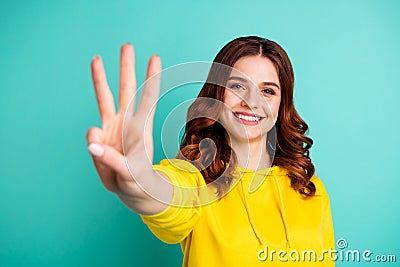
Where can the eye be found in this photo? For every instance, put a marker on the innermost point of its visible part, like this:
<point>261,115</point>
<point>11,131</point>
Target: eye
<point>236,86</point>
<point>268,91</point>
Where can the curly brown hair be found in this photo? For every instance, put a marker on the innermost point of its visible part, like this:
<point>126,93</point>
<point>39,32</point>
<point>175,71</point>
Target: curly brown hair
<point>292,146</point>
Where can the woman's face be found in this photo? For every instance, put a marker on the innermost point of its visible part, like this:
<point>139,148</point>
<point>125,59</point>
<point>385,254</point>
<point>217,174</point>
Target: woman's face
<point>252,98</point>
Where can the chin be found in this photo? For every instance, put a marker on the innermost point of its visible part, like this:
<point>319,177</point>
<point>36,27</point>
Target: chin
<point>250,137</point>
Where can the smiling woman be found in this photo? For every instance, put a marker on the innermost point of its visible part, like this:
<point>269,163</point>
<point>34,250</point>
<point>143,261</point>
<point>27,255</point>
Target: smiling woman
<point>268,196</point>
<point>263,82</point>
<point>255,105</point>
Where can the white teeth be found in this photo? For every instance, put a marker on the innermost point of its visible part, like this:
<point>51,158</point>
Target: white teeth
<point>248,118</point>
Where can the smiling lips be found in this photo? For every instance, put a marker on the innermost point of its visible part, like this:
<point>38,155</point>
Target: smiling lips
<point>247,118</point>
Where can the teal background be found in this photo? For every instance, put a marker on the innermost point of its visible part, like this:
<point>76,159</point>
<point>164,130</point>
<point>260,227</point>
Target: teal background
<point>54,210</point>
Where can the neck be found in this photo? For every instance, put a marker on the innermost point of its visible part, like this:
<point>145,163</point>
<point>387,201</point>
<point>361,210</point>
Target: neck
<point>253,154</point>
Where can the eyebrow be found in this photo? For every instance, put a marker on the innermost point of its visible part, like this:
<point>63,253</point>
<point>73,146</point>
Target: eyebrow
<point>245,81</point>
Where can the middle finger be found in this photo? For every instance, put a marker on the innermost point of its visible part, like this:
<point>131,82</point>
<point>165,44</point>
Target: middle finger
<point>127,79</point>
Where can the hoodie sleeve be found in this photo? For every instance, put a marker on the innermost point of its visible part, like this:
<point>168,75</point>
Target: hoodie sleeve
<point>175,222</point>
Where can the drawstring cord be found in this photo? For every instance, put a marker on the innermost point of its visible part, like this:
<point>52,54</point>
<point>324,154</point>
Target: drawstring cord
<point>250,217</point>
<point>282,208</point>
<point>283,213</point>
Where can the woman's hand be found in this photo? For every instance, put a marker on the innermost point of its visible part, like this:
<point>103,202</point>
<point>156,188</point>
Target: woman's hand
<point>105,144</point>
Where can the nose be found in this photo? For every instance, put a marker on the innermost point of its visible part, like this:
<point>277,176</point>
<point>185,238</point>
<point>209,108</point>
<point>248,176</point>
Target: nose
<point>250,99</point>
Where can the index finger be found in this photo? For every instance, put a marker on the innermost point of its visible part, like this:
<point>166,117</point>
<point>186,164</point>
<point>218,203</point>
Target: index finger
<point>105,100</point>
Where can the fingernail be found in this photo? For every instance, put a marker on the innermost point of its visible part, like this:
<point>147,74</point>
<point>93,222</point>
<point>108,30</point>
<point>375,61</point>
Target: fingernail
<point>96,56</point>
<point>96,150</point>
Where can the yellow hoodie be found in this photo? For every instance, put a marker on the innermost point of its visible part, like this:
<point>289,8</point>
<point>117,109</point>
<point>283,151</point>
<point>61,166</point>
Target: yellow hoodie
<point>270,225</point>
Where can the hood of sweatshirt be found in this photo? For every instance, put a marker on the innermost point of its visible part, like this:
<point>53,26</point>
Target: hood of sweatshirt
<point>256,182</point>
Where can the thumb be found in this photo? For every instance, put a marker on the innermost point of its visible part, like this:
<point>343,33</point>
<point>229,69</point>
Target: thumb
<point>110,157</point>
<point>104,154</point>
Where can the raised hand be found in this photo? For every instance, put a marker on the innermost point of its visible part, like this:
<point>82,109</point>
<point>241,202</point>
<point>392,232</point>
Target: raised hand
<point>105,144</point>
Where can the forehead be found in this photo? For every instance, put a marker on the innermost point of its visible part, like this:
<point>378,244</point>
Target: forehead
<point>257,68</point>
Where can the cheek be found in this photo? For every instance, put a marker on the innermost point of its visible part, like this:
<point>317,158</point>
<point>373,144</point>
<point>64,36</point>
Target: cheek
<point>231,99</point>
<point>275,107</point>
<point>273,102</point>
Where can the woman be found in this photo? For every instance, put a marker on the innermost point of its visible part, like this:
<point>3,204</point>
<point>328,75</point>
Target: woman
<point>267,206</point>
